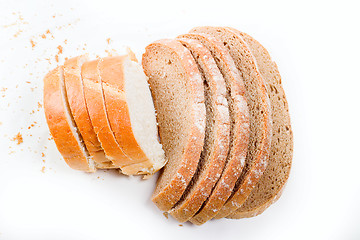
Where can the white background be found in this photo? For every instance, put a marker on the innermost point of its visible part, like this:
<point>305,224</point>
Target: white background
<point>316,46</point>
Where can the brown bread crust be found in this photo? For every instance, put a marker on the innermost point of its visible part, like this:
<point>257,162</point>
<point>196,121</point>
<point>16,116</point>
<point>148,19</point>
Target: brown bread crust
<point>217,134</point>
<point>271,185</point>
<point>260,116</point>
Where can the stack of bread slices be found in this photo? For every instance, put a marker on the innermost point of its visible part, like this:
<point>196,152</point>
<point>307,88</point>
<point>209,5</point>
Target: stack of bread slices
<point>215,101</point>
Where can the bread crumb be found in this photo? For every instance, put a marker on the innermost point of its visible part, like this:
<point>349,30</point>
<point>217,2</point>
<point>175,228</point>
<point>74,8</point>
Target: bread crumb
<point>57,58</point>
<point>42,154</point>
<point>33,44</point>
<point>166,214</point>
<point>18,137</point>
<point>43,169</point>
<point>108,40</point>
<point>180,225</point>
<point>60,49</point>
<point>43,36</point>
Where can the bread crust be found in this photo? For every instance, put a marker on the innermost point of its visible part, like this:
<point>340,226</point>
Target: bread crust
<point>166,197</point>
<point>113,84</point>
<point>250,73</point>
<point>239,130</point>
<point>98,114</point>
<point>59,122</point>
<point>215,151</point>
<point>77,103</point>
<point>282,134</point>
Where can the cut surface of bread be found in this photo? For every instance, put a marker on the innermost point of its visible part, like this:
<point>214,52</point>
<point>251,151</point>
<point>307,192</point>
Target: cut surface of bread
<point>178,93</point>
<point>217,134</point>
<point>61,123</point>
<point>272,182</point>
<point>98,114</point>
<point>131,114</point>
<point>239,128</point>
<point>77,103</point>
<point>260,116</point>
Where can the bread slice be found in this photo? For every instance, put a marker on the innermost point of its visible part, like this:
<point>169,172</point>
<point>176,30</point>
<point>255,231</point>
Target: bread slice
<point>77,103</point>
<point>217,134</point>
<point>272,183</point>
<point>178,93</point>
<point>131,114</point>
<point>61,124</point>
<point>260,116</point>
<point>239,128</point>
<point>98,114</point>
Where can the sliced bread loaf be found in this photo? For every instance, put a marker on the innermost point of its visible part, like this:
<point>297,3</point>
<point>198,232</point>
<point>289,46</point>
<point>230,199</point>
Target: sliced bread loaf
<point>260,116</point>
<point>98,113</point>
<point>178,93</point>
<point>271,184</point>
<point>131,114</point>
<point>61,123</point>
<point>217,134</point>
<point>77,103</point>
<point>239,126</point>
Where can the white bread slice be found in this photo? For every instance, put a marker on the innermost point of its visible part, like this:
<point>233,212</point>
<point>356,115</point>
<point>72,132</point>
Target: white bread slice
<point>98,114</point>
<point>239,130</point>
<point>217,134</point>
<point>178,93</point>
<point>273,181</point>
<point>131,114</point>
<point>77,103</point>
<point>260,116</point>
<point>61,124</point>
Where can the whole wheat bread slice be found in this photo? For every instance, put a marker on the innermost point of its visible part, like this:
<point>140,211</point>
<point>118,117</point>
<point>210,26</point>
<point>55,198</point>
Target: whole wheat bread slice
<point>61,123</point>
<point>178,93</point>
<point>239,127</point>
<point>98,114</point>
<point>217,134</point>
<point>260,116</point>
<point>273,181</point>
<point>77,103</point>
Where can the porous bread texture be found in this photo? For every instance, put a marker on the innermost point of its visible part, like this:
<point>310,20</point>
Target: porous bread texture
<point>239,127</point>
<point>61,123</point>
<point>217,134</point>
<point>79,111</point>
<point>98,113</point>
<point>178,93</point>
<point>142,115</point>
<point>113,84</point>
<point>260,116</point>
<point>274,179</point>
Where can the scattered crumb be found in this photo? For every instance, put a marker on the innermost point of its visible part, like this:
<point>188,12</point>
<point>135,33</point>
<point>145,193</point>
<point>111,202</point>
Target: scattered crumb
<point>60,49</point>
<point>43,160</point>
<point>180,225</point>
<point>3,89</point>
<point>166,214</point>
<point>39,105</point>
<point>43,169</point>
<point>33,44</point>
<point>28,82</point>
<point>57,58</point>
<point>108,40</point>
<point>18,138</point>
<point>43,36</point>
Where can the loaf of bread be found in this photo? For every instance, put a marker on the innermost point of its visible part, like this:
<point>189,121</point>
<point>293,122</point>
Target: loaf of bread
<point>207,108</point>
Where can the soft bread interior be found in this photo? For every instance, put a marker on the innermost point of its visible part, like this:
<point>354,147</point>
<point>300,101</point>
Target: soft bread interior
<point>71,121</point>
<point>142,114</point>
